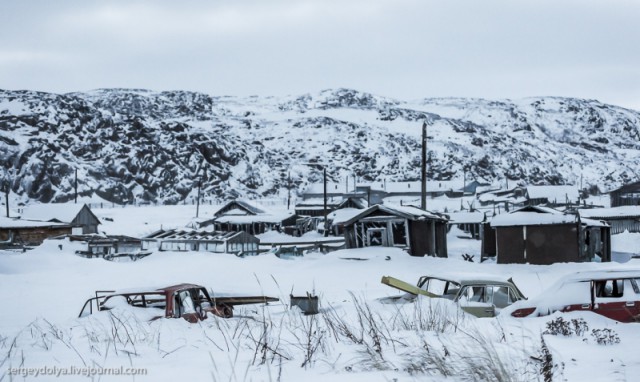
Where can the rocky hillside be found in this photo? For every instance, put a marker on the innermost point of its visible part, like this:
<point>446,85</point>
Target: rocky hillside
<point>138,145</point>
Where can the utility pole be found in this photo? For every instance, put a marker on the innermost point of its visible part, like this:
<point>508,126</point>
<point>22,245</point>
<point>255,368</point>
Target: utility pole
<point>6,197</point>
<point>326,223</point>
<point>198,201</point>
<point>288,190</point>
<point>464,180</point>
<point>423,200</point>
<point>76,187</point>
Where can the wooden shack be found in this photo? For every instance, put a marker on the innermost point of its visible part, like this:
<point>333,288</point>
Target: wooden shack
<point>18,233</point>
<point>239,243</point>
<point>239,215</point>
<point>76,215</point>
<point>418,231</point>
<point>627,195</point>
<point>542,235</point>
<point>100,245</point>
<point>621,218</point>
<point>555,196</point>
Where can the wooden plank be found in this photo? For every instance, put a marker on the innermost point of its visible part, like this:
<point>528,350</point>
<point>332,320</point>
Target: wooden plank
<point>244,300</point>
<point>405,286</point>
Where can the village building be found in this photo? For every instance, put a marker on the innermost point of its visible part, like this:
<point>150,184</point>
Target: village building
<point>627,195</point>
<point>76,215</point>
<point>315,206</point>
<point>393,192</point>
<point>239,243</point>
<point>621,219</point>
<point>542,235</point>
<point>107,246</point>
<point>18,233</point>
<point>239,215</point>
<point>552,196</point>
<point>505,199</point>
<point>417,231</point>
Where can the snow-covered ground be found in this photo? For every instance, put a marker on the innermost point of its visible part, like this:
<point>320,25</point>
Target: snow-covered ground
<point>354,338</point>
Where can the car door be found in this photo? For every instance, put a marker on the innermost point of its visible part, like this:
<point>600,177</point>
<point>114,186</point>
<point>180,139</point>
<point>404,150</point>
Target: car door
<point>615,299</point>
<point>477,300</point>
<point>186,307</point>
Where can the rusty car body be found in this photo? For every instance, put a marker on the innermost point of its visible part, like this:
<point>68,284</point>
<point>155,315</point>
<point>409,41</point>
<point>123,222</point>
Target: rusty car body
<point>189,301</point>
<point>613,293</point>
<point>481,296</point>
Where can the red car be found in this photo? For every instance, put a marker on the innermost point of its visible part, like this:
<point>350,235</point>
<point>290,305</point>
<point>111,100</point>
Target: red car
<point>189,301</point>
<point>612,293</point>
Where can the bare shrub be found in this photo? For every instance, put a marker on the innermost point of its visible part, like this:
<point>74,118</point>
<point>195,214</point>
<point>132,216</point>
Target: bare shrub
<point>605,336</point>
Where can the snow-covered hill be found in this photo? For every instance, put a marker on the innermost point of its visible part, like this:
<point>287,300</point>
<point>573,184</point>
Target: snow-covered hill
<point>129,144</point>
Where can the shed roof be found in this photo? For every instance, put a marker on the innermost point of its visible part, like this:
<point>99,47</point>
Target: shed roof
<point>554,193</point>
<point>631,187</point>
<point>6,223</point>
<point>609,213</point>
<point>192,234</point>
<point>242,207</point>
<point>61,212</point>
<point>532,215</point>
<point>407,212</point>
<point>466,217</point>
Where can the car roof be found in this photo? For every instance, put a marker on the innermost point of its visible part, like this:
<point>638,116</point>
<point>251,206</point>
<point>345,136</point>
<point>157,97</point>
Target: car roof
<point>619,273</point>
<point>470,278</point>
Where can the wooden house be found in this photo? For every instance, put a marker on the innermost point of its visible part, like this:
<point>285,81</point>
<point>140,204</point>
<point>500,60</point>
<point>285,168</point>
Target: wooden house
<point>508,199</point>
<point>627,195</point>
<point>420,232</point>
<point>315,206</point>
<point>76,215</point>
<point>239,215</point>
<point>553,196</point>
<point>107,246</point>
<point>542,235</point>
<point>18,233</point>
<point>239,243</point>
<point>621,218</point>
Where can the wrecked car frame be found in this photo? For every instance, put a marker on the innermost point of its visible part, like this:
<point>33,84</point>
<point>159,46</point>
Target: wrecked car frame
<point>481,296</point>
<point>613,293</point>
<point>189,301</point>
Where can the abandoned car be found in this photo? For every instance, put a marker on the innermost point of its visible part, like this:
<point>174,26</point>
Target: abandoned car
<point>481,296</point>
<point>612,293</point>
<point>189,301</point>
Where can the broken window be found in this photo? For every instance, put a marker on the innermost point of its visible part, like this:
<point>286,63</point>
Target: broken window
<point>399,233</point>
<point>376,237</point>
<point>184,303</point>
<point>609,288</point>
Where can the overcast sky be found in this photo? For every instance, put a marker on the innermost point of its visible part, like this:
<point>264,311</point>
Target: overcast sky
<point>405,49</point>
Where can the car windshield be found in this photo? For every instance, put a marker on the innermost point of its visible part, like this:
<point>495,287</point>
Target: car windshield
<point>444,288</point>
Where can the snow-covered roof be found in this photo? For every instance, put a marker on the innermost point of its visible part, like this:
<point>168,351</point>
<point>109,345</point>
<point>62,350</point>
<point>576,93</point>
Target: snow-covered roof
<point>408,212</point>
<point>332,188</point>
<point>554,193</point>
<point>319,202</point>
<point>342,215</point>
<point>247,219</point>
<point>191,234</point>
<point>613,212</point>
<point>466,217</point>
<point>20,223</point>
<point>62,212</point>
<point>243,207</point>
<point>521,218</point>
